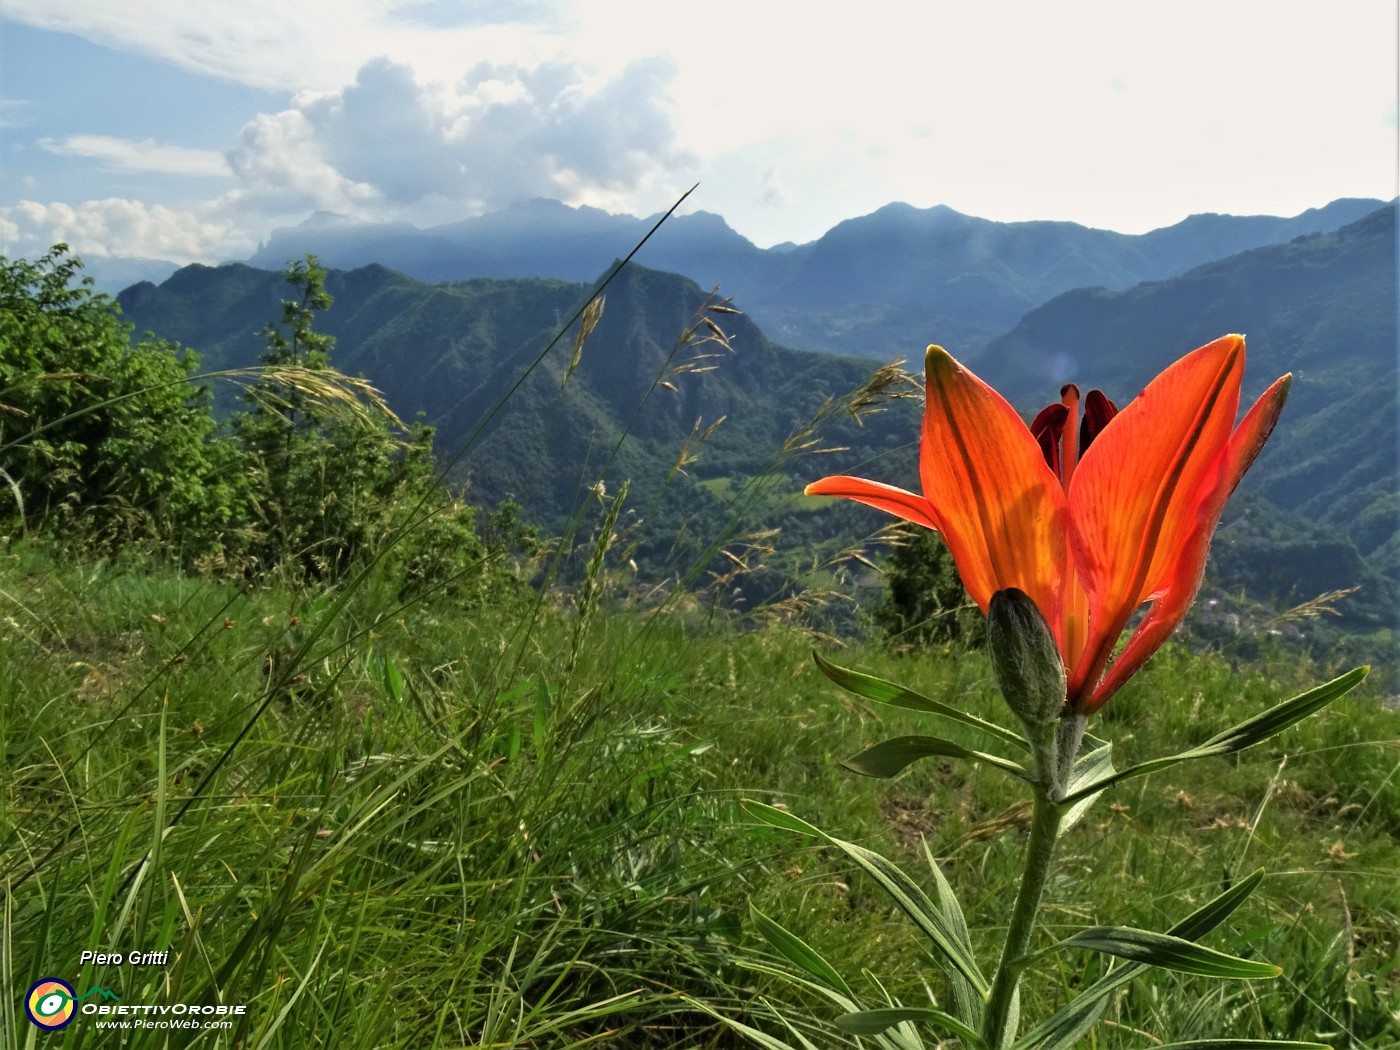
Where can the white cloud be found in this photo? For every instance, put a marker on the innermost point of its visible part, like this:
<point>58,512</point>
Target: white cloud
<point>772,189</point>
<point>251,43</point>
<point>317,44</point>
<point>14,112</point>
<point>389,146</point>
<point>393,144</point>
<point>130,155</point>
<point>283,167</point>
<point>116,227</point>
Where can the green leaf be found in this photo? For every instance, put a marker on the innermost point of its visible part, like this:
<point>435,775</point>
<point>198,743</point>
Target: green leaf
<point>969,1005</point>
<point>884,692</point>
<point>798,952</point>
<point>835,997</point>
<point>1211,914</point>
<point>1244,1044</point>
<point>893,756</point>
<point>915,903</point>
<point>759,1038</point>
<point>1248,733</point>
<point>1275,720</point>
<point>874,1022</point>
<point>392,679</point>
<point>780,818</point>
<point>1168,952</point>
<point>1063,1029</point>
<point>1088,768</point>
<point>902,889</point>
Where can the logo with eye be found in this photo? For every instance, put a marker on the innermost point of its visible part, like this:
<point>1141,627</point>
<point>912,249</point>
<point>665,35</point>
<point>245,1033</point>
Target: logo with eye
<point>49,1003</point>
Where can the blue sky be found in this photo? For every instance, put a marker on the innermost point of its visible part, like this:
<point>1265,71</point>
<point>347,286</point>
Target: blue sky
<point>189,131</point>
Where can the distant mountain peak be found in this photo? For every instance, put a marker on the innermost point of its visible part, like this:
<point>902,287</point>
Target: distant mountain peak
<point>322,219</point>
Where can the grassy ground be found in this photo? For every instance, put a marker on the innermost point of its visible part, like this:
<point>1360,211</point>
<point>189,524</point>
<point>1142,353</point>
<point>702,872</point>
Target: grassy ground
<point>516,824</point>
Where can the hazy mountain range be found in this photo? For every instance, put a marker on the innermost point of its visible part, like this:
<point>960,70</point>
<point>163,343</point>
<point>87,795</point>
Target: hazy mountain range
<point>874,286</point>
<point>1323,306</point>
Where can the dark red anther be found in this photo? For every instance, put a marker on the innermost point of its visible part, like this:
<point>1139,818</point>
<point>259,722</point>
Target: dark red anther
<point>1062,436</point>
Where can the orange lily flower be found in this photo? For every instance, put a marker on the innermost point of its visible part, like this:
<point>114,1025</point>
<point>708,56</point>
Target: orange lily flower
<point>1092,521</point>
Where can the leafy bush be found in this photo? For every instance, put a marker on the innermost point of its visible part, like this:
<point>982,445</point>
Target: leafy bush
<point>108,441</point>
<point>99,437</point>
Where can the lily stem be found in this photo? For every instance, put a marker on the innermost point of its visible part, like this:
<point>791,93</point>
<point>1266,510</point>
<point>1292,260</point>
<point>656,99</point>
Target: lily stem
<point>997,1030</point>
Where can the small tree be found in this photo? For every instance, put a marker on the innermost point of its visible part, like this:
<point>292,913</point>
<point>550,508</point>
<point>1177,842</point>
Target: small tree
<point>925,603</point>
<point>329,484</point>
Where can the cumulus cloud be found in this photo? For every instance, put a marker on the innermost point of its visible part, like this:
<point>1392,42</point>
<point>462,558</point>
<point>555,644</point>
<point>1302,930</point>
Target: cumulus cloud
<point>388,147</point>
<point>115,227</point>
<point>130,155</point>
<point>282,165</point>
<point>501,133</point>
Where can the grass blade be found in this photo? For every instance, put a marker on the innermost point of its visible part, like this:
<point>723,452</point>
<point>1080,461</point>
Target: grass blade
<point>798,952</point>
<point>902,889</point>
<point>875,1022</point>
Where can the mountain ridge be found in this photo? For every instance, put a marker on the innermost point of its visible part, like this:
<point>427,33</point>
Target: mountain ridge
<point>872,285</point>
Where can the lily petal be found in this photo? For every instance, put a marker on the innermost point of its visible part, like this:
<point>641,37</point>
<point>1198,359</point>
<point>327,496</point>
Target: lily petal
<point>889,498</point>
<point>1002,511</point>
<point>1172,596</point>
<point>1137,500</point>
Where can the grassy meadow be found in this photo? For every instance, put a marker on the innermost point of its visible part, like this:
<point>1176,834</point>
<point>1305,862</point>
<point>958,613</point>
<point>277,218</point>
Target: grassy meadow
<point>516,823</point>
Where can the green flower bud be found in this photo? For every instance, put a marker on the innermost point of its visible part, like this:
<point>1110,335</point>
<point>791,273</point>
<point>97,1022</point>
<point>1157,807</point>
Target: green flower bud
<point>1027,662</point>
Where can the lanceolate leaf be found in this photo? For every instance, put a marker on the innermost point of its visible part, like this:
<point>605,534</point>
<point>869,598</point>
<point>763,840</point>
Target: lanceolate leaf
<point>1091,767</point>
<point>873,1022</point>
<point>1064,1028</point>
<point>1168,952</point>
<point>893,756</point>
<point>902,889</point>
<point>835,997</point>
<point>1273,721</point>
<point>755,1036</point>
<point>798,952</point>
<point>1246,734</point>
<point>884,692</point>
<point>968,1005</point>
<point>780,818</point>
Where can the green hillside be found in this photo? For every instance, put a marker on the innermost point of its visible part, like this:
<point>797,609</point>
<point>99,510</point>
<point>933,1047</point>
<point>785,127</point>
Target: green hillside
<point>396,787</point>
<point>642,392</point>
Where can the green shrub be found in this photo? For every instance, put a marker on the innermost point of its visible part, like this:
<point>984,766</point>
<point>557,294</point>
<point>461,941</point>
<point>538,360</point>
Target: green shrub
<point>101,438</point>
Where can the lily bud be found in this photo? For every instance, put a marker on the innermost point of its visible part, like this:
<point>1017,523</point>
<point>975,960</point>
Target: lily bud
<point>1026,660</point>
